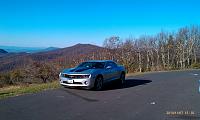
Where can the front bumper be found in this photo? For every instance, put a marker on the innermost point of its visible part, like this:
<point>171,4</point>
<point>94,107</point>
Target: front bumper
<point>83,82</point>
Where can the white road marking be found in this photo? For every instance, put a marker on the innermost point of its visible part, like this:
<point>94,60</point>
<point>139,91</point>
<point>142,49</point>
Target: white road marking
<point>153,103</point>
<point>195,74</point>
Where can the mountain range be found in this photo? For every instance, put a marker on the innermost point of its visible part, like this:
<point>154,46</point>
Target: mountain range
<point>15,49</point>
<point>64,56</point>
<point>3,52</point>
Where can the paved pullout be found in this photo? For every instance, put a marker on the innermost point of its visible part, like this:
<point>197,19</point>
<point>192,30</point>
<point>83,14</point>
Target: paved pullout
<point>153,96</point>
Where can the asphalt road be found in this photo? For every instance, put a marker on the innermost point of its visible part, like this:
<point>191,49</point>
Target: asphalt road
<point>154,96</point>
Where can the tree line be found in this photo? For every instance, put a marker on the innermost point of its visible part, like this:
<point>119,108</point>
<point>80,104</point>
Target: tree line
<point>164,51</point>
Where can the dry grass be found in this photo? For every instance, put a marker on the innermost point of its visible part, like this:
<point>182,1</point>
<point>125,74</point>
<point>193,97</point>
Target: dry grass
<point>21,89</point>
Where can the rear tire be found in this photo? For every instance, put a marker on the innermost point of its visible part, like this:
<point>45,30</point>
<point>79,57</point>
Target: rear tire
<point>121,81</point>
<point>98,83</point>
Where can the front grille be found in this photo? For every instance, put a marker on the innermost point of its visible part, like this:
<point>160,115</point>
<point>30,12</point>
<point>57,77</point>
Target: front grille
<point>77,82</point>
<point>75,76</point>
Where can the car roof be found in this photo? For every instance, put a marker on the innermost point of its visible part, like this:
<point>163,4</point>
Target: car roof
<point>100,61</point>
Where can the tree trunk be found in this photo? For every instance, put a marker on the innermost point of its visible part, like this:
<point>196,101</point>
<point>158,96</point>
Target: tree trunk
<point>152,60</point>
<point>183,59</point>
<point>163,60</point>
<point>195,57</point>
<point>140,62</point>
<point>168,58</point>
<point>147,60</point>
<point>157,61</point>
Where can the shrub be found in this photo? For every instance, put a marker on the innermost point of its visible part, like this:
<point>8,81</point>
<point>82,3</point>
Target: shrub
<point>17,76</point>
<point>5,79</point>
<point>196,65</point>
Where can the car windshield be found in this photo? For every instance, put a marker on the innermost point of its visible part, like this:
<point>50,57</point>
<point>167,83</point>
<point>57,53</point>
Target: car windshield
<point>92,65</point>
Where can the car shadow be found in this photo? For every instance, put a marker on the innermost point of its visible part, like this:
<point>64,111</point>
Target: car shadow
<point>109,86</point>
<point>127,84</point>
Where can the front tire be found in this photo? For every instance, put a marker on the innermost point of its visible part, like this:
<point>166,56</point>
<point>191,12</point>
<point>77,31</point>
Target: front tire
<point>98,83</point>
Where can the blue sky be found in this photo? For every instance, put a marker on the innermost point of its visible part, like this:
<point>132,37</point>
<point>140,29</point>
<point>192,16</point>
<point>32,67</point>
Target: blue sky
<point>62,23</point>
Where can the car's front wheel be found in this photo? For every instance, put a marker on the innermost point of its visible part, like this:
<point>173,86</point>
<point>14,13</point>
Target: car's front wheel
<point>98,83</point>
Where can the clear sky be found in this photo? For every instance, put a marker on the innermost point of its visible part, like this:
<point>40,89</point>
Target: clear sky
<point>62,23</point>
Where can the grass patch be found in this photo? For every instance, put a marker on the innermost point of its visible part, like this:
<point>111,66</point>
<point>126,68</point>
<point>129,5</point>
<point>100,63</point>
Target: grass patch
<point>134,74</point>
<point>21,89</point>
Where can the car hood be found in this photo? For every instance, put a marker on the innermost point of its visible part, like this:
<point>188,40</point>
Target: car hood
<point>79,70</point>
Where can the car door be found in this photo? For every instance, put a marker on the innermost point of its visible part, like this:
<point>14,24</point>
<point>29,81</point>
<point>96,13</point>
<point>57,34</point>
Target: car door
<point>108,73</point>
<point>112,73</point>
<point>115,72</point>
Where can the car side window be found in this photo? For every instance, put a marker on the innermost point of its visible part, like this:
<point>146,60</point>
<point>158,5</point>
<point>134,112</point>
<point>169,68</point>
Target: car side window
<point>112,64</point>
<point>107,64</point>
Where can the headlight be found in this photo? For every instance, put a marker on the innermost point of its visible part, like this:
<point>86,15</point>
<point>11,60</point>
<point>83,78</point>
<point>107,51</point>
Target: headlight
<point>84,76</point>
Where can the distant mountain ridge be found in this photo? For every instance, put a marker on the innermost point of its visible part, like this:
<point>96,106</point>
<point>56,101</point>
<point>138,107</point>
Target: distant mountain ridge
<point>14,49</point>
<point>2,51</point>
<point>51,48</point>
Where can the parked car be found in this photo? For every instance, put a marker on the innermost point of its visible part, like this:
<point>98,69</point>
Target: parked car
<point>92,74</point>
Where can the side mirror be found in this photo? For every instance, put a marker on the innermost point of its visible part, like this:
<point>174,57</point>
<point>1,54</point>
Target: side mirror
<point>108,67</point>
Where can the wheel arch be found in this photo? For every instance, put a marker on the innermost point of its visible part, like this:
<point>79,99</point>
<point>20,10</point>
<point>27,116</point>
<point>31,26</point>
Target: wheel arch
<point>99,75</point>
<point>123,72</point>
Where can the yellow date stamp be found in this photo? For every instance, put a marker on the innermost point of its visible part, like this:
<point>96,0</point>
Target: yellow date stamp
<point>181,112</point>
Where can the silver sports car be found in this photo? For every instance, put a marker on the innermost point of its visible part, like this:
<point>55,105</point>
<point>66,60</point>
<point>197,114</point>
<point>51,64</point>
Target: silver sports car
<point>92,74</point>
